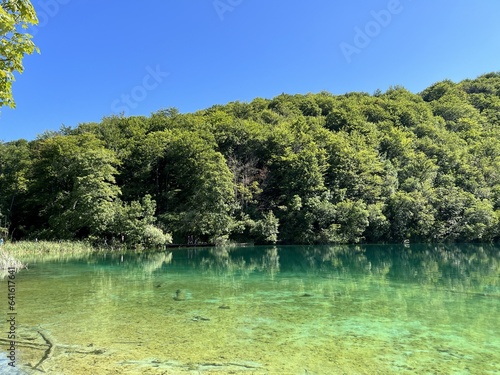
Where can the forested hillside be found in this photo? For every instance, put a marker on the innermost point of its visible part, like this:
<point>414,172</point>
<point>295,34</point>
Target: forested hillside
<point>315,168</point>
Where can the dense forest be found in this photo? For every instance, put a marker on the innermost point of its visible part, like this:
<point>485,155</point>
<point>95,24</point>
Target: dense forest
<point>309,169</point>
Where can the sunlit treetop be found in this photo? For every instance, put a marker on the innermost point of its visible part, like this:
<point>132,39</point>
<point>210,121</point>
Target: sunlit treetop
<point>15,17</point>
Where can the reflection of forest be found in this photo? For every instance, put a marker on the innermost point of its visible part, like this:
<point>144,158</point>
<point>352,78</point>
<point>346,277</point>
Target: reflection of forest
<point>467,268</point>
<point>458,268</point>
<point>410,289</point>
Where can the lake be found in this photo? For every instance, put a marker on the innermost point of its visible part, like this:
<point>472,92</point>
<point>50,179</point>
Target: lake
<point>391,309</point>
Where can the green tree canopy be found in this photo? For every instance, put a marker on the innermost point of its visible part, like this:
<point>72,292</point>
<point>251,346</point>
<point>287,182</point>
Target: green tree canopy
<point>314,168</point>
<point>15,43</point>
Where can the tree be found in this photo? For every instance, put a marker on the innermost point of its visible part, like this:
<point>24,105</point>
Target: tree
<point>411,216</point>
<point>266,230</point>
<point>195,192</point>
<point>15,164</point>
<point>134,224</point>
<point>15,15</point>
<point>73,186</point>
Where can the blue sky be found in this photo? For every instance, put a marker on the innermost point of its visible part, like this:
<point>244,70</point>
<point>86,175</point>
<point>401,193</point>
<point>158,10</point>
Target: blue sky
<point>100,58</point>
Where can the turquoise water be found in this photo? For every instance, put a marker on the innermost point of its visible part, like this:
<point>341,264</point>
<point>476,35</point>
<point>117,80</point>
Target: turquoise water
<point>263,310</point>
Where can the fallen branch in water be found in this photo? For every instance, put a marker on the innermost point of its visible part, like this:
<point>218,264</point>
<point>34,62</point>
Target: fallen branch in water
<point>26,344</point>
<point>49,351</point>
<point>49,347</point>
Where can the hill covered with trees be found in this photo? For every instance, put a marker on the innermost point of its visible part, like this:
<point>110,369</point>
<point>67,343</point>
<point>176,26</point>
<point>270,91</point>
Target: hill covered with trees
<point>315,168</point>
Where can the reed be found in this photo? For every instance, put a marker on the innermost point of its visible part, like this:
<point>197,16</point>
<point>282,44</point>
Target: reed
<point>28,248</point>
<point>30,252</point>
<point>8,261</point>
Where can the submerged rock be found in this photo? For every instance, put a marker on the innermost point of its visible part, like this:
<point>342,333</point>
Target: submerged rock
<point>179,295</point>
<point>198,318</point>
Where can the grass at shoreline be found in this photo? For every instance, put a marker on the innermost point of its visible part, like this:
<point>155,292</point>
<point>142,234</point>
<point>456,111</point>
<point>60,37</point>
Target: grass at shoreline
<point>34,251</point>
<point>30,251</point>
<point>47,247</point>
<point>8,261</point>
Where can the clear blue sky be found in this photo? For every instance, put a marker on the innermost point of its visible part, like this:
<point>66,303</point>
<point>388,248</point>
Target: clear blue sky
<point>103,57</point>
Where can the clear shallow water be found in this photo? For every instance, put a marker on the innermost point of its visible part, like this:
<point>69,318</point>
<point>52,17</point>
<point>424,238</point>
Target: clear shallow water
<point>264,310</point>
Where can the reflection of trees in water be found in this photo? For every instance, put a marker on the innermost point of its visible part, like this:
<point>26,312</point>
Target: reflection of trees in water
<point>271,261</point>
<point>225,261</point>
<point>147,262</point>
<point>340,259</point>
<point>155,262</point>
<point>459,268</point>
<point>452,267</point>
<point>229,267</point>
<point>225,271</point>
<point>61,257</point>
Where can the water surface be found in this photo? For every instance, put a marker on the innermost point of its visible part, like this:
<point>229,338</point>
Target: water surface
<point>263,310</point>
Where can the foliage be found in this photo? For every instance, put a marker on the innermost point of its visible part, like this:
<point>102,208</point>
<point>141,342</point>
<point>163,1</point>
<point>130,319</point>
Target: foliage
<point>266,229</point>
<point>15,17</point>
<point>315,168</point>
<point>134,224</point>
